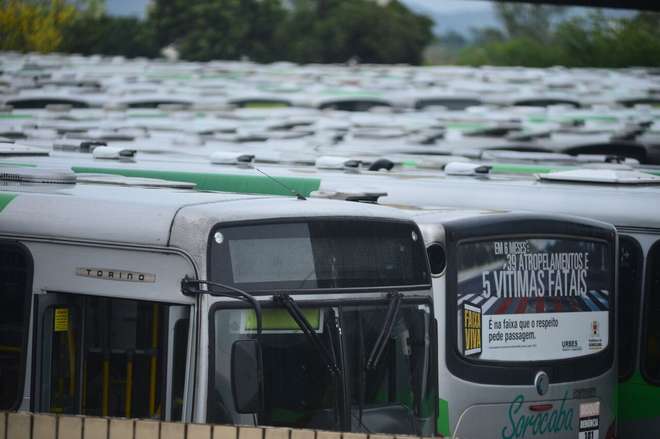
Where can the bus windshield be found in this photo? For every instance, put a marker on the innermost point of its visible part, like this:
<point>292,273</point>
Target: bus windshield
<point>533,299</point>
<point>397,396</point>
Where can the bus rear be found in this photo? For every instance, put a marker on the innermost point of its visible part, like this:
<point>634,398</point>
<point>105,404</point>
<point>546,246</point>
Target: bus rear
<point>529,330</point>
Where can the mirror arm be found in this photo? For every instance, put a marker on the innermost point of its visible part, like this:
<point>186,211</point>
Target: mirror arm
<point>232,292</point>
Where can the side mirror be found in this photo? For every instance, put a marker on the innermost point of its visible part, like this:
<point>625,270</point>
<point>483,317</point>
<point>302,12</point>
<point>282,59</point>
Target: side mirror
<point>247,376</point>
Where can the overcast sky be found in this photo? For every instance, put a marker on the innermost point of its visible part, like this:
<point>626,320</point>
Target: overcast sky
<point>458,15</point>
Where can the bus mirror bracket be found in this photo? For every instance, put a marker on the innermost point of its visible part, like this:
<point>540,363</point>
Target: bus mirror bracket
<point>247,376</point>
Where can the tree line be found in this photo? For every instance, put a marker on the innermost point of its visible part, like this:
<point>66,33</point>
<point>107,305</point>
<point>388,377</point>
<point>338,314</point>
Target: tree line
<point>330,31</point>
<point>544,36</point>
<point>304,31</point>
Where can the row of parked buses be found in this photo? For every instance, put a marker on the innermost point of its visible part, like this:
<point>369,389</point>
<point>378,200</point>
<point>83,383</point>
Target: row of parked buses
<point>178,243</point>
<point>137,297</point>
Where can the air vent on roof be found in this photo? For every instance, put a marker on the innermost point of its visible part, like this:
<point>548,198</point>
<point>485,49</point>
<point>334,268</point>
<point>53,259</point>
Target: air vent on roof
<point>364,197</point>
<point>111,152</point>
<point>36,175</point>
<point>603,176</point>
<point>381,164</point>
<point>334,162</point>
<point>231,158</point>
<point>462,168</point>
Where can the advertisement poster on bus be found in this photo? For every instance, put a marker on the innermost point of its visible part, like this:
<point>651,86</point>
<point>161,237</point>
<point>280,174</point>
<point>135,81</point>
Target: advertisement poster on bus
<point>533,299</point>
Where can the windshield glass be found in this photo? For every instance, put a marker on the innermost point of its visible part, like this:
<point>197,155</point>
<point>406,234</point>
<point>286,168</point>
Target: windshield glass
<point>301,391</point>
<point>533,299</point>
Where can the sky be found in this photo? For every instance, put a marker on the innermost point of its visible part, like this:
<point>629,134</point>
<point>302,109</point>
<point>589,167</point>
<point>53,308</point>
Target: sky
<point>456,15</point>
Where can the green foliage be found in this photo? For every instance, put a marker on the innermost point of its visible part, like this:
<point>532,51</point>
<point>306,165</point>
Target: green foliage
<point>529,21</point>
<point>518,51</point>
<point>313,31</point>
<point>202,30</point>
<point>106,35</point>
<point>602,42</point>
<point>36,26</point>
<point>584,41</point>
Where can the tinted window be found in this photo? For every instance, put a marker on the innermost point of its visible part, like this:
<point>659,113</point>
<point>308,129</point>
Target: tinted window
<point>62,325</point>
<point>630,285</point>
<point>179,367</point>
<point>107,357</point>
<point>15,278</point>
<point>533,299</point>
<point>123,358</point>
<point>319,254</point>
<point>651,357</point>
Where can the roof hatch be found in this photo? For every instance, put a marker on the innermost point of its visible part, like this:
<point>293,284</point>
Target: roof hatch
<point>36,175</point>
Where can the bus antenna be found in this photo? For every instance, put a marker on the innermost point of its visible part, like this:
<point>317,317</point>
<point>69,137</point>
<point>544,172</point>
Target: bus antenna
<point>293,191</point>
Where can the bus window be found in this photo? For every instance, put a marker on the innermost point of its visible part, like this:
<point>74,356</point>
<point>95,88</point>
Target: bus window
<point>15,279</point>
<point>122,376</point>
<point>651,358</point>
<point>106,357</point>
<point>63,324</point>
<point>631,261</point>
<point>180,346</point>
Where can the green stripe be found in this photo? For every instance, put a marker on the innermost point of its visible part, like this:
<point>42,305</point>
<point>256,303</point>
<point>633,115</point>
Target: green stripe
<point>467,126</point>
<point>510,168</point>
<point>443,417</point>
<point>15,116</point>
<point>5,199</point>
<point>17,165</point>
<point>638,399</point>
<point>514,168</point>
<point>244,184</point>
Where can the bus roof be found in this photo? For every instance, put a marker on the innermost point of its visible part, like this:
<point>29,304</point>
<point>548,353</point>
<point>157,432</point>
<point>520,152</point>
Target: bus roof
<point>145,216</point>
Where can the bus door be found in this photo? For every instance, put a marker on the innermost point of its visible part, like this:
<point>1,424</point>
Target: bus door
<point>110,357</point>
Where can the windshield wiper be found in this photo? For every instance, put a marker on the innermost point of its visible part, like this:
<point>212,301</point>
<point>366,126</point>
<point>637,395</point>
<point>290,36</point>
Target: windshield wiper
<point>328,356</point>
<point>188,288</point>
<point>386,330</point>
<point>296,313</point>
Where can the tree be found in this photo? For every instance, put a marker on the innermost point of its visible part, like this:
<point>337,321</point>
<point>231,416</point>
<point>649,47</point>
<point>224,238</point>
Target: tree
<point>90,35</point>
<point>218,29</point>
<point>339,30</point>
<point>535,22</point>
<point>34,26</point>
<point>594,40</point>
<point>599,41</point>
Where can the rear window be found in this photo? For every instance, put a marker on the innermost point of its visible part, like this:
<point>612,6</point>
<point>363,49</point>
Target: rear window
<point>533,299</point>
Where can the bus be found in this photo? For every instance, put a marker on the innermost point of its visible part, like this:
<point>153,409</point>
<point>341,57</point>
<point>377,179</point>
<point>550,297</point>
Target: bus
<point>525,305</point>
<point>147,299</point>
